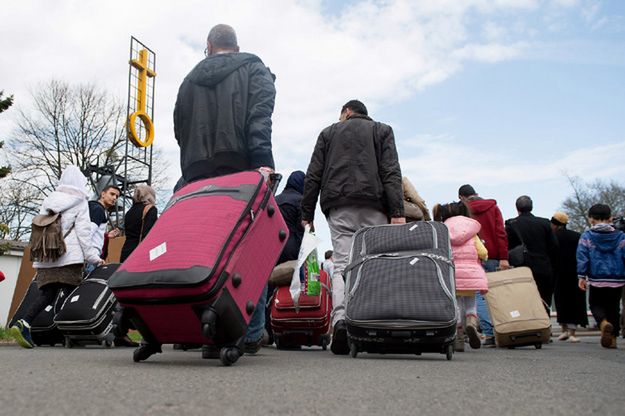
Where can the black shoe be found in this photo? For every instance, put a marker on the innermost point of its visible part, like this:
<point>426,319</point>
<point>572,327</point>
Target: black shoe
<point>252,347</point>
<point>210,352</point>
<point>145,351</point>
<point>339,344</point>
<point>125,342</point>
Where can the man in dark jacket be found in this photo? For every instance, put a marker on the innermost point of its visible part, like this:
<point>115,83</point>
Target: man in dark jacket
<point>356,169</point>
<point>541,244</point>
<point>222,122</point>
<point>222,117</point>
<point>493,233</point>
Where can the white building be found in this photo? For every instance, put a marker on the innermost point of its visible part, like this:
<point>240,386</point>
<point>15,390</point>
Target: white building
<point>10,261</point>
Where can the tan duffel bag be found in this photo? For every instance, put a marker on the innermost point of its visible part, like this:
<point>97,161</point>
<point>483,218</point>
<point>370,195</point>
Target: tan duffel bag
<point>283,273</point>
<point>517,312</point>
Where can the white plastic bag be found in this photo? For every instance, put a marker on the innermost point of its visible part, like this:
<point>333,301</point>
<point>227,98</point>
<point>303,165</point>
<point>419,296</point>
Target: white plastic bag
<point>309,243</point>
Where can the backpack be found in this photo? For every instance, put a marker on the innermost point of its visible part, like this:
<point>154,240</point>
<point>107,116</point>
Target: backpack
<point>47,241</point>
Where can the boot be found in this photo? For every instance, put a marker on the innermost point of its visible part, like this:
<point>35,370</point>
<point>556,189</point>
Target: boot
<point>606,334</point>
<point>471,328</point>
<point>613,343</point>
<point>459,342</point>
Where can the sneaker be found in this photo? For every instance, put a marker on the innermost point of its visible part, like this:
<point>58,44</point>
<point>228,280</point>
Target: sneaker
<point>252,347</point>
<point>573,339</point>
<point>471,330</point>
<point>564,336</point>
<point>145,351</point>
<point>606,334</point>
<point>489,342</point>
<point>21,332</point>
<point>339,344</point>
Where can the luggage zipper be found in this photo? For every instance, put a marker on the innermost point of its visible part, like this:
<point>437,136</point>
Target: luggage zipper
<point>508,281</point>
<point>208,189</point>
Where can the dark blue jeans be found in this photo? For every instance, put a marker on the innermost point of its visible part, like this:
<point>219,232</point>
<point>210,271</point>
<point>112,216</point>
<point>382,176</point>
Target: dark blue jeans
<point>489,265</point>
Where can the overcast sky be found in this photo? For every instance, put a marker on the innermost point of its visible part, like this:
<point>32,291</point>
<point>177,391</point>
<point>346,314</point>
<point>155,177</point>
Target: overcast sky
<point>507,95</point>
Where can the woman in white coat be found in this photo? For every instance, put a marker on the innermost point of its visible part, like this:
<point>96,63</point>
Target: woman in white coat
<point>70,200</point>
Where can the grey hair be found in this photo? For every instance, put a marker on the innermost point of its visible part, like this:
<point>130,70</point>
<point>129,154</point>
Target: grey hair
<point>524,204</point>
<point>222,36</point>
<point>144,194</point>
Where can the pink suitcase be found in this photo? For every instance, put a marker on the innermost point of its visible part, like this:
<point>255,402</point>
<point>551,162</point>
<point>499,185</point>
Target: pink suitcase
<point>197,276</point>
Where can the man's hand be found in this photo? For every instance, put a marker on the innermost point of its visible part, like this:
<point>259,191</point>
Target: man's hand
<point>102,262</point>
<point>398,220</point>
<point>266,171</point>
<point>114,233</point>
<point>504,265</point>
<point>581,282</point>
<point>310,223</point>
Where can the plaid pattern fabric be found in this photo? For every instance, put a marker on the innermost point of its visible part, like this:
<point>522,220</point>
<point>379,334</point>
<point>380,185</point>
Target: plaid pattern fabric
<point>404,285</point>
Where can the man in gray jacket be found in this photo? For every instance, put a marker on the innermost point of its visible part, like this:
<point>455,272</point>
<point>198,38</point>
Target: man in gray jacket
<point>222,122</point>
<point>356,169</point>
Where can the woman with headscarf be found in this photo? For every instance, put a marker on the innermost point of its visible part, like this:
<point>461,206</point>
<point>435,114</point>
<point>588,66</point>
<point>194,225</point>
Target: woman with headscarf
<point>64,274</point>
<point>139,219</point>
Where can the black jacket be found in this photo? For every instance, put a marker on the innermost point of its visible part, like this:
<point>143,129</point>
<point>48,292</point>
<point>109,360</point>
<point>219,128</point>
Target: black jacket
<point>222,118</point>
<point>540,241</point>
<point>354,163</point>
<point>289,203</point>
<point>132,225</point>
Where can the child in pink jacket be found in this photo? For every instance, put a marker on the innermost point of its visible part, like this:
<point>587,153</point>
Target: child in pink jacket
<point>468,251</point>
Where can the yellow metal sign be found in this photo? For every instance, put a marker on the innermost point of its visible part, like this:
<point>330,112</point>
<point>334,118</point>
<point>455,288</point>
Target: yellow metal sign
<point>144,71</point>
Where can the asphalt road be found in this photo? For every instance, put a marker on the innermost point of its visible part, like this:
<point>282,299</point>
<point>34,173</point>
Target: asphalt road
<point>560,379</point>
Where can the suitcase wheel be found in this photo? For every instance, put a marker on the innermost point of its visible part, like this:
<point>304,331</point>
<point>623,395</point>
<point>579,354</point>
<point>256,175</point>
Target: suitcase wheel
<point>324,343</point>
<point>106,343</point>
<point>450,352</point>
<point>209,323</point>
<point>68,343</point>
<point>229,355</point>
<point>538,346</point>
<point>353,349</point>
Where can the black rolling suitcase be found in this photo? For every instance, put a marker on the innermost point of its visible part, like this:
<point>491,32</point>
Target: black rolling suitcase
<point>86,316</point>
<point>400,291</point>
<point>43,329</point>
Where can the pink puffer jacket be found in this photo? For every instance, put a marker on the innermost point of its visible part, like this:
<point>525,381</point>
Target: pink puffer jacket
<point>469,272</point>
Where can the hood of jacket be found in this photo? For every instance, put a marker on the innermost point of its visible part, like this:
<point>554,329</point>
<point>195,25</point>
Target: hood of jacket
<point>215,68</point>
<point>605,237</point>
<point>60,201</point>
<point>479,206</point>
<point>296,181</point>
<point>461,229</point>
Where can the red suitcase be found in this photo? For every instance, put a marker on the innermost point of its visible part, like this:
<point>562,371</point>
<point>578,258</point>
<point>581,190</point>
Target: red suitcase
<point>197,276</point>
<point>310,325</point>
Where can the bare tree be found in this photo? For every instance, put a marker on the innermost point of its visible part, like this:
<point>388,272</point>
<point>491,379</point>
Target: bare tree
<point>586,195</point>
<point>5,103</point>
<point>18,203</point>
<point>78,125</point>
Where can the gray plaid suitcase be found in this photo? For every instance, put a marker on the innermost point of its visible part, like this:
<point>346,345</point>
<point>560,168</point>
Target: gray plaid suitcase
<point>400,291</point>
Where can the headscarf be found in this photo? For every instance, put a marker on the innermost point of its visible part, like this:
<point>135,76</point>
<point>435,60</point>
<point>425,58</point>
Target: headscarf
<point>73,180</point>
<point>144,194</point>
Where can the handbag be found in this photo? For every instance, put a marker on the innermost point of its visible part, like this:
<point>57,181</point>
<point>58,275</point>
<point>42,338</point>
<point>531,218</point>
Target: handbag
<point>518,255</point>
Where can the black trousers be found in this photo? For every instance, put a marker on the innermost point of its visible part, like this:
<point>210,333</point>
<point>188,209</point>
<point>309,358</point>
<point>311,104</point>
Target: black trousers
<point>47,296</point>
<point>605,303</point>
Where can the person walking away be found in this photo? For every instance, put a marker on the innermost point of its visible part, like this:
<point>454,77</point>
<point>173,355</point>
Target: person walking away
<point>289,203</point>
<point>493,234</point>
<point>601,270</point>
<point>139,219</point>
<point>569,299</point>
<point>355,169</point>
<point>222,123</point>
<point>541,246</point>
<point>328,262</point>
<point>468,252</point>
<point>65,273</point>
